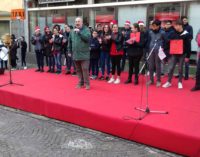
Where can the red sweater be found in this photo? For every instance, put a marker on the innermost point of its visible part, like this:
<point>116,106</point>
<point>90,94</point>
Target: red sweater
<point>113,50</point>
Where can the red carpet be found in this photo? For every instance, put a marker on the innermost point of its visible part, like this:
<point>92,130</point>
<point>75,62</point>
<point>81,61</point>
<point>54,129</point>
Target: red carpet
<point>106,108</point>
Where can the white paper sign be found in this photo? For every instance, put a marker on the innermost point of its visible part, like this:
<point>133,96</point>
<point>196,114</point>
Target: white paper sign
<point>161,54</point>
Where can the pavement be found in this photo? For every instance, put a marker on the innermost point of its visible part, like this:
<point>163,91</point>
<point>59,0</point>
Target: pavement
<point>24,134</point>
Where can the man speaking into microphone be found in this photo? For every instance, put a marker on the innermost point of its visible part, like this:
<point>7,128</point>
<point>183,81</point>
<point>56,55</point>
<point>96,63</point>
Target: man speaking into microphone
<point>78,46</point>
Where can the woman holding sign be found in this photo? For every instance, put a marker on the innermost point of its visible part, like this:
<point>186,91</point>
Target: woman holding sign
<point>179,49</point>
<point>135,52</point>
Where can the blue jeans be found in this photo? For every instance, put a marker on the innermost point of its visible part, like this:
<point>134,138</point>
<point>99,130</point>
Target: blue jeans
<point>51,63</point>
<point>105,61</point>
<point>57,58</point>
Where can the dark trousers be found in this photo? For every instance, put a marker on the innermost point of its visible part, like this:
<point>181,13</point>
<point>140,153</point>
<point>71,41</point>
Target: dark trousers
<point>5,64</point>
<point>40,59</point>
<point>82,70</point>
<point>154,61</point>
<point>13,63</point>
<point>70,63</point>
<point>94,65</point>
<point>187,67</point>
<point>134,62</point>
<point>197,84</point>
<point>173,61</point>
<point>105,61</point>
<point>51,63</point>
<point>23,58</point>
<point>116,64</point>
<point>47,60</point>
<point>123,62</point>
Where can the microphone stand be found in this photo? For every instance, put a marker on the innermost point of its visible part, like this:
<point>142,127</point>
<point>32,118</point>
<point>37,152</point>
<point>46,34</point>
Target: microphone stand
<point>147,110</point>
<point>10,73</point>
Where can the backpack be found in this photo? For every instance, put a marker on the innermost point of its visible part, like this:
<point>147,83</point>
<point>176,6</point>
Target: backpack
<point>198,39</point>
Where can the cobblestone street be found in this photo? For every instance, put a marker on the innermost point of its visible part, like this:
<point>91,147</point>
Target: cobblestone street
<point>27,135</point>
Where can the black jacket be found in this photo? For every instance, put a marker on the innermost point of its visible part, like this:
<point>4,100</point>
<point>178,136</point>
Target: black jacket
<point>136,49</point>
<point>118,39</point>
<point>106,44</point>
<point>57,43</point>
<point>185,36</point>
<point>47,45</point>
<point>126,36</point>
<point>23,46</point>
<point>189,29</point>
<point>94,48</point>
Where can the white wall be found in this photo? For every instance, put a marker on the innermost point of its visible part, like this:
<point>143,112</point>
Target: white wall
<point>132,13</point>
<point>194,17</point>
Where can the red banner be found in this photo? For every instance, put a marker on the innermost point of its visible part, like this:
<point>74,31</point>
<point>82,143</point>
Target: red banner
<point>163,16</point>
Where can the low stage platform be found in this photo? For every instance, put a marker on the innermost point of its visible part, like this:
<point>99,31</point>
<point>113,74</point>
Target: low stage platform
<point>111,108</point>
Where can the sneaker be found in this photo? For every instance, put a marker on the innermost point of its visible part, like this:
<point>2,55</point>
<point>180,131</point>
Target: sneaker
<point>180,85</point>
<point>150,83</point>
<point>74,73</point>
<point>68,72</point>
<point>87,87</point>
<point>128,81</point>
<point>101,78</point>
<point>25,67</point>
<point>78,86</point>
<point>158,84</point>
<point>49,71</point>
<point>42,70</point>
<point>58,72</point>
<point>94,77</point>
<point>167,84</point>
<point>107,78</point>
<point>111,80</point>
<point>195,89</point>
<point>37,70</point>
<point>117,81</point>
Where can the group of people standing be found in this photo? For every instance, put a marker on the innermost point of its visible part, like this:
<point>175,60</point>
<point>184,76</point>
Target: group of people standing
<point>13,50</point>
<point>107,47</point>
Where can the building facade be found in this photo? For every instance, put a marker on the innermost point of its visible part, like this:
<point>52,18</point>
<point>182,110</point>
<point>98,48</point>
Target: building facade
<point>50,12</point>
<point>5,16</point>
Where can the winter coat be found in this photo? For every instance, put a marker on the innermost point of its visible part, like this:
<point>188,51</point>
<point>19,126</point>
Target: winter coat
<point>106,44</point>
<point>94,48</point>
<point>117,40</point>
<point>156,39</point>
<point>13,50</point>
<point>126,37</point>
<point>47,44</point>
<point>57,43</point>
<point>136,49</point>
<point>185,36</point>
<point>37,41</point>
<point>23,46</point>
<point>168,33</point>
<point>79,44</point>
<point>189,29</point>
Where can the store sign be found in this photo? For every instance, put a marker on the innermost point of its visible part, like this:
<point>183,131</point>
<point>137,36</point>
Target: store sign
<point>17,14</point>
<point>53,1</point>
<point>104,18</point>
<point>163,16</point>
<point>58,19</point>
